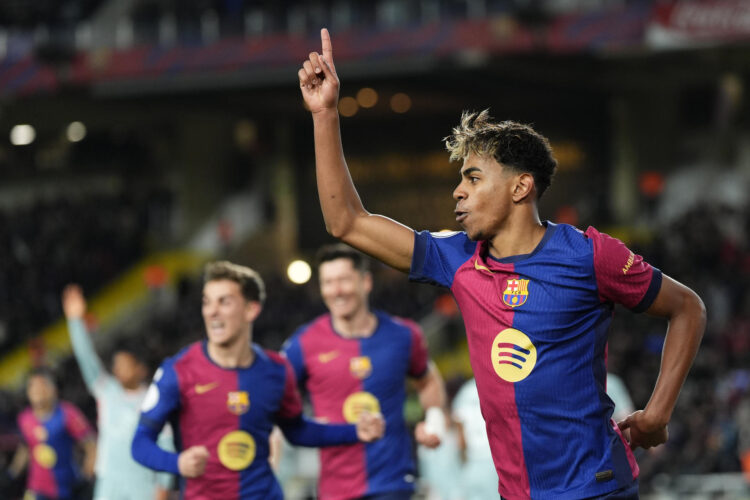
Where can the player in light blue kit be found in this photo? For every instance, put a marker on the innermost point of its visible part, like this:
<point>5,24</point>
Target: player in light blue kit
<point>118,399</point>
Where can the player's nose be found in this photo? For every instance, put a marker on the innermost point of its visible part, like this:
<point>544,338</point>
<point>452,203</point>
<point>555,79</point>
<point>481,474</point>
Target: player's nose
<point>459,193</point>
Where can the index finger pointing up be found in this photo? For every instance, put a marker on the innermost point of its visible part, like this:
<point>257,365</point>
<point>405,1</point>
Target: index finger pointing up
<point>325,40</point>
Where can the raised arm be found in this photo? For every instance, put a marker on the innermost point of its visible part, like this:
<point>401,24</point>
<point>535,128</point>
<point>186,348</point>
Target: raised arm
<point>345,216</point>
<point>74,307</point>
<point>687,321</point>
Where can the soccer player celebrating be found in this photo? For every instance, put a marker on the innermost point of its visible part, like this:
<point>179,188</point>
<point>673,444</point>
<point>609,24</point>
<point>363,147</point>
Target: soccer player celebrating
<point>223,397</point>
<point>118,398</point>
<point>51,428</point>
<point>354,359</point>
<point>536,299</point>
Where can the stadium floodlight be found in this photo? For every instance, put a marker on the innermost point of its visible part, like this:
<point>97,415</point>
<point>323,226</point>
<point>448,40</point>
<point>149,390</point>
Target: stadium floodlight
<point>400,103</point>
<point>76,131</point>
<point>348,106</point>
<point>299,272</point>
<point>367,97</point>
<point>22,135</point>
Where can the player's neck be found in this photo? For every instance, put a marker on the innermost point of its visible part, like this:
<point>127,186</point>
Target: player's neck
<point>520,235</point>
<point>238,354</point>
<point>42,412</point>
<point>361,324</point>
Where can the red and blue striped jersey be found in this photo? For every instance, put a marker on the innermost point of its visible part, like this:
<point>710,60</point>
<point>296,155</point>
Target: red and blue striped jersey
<point>229,411</point>
<point>52,470</point>
<point>345,376</point>
<point>536,326</point>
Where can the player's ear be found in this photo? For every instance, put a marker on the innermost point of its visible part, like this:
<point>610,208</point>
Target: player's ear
<point>252,310</point>
<point>367,275</point>
<point>523,187</point>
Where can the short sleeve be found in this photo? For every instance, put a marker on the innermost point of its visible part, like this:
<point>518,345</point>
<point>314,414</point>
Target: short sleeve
<point>418,357</point>
<point>291,401</point>
<point>622,276</point>
<point>292,350</point>
<point>76,423</point>
<point>437,256</point>
<point>162,397</point>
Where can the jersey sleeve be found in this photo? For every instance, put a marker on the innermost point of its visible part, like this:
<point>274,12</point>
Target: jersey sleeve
<point>292,350</point>
<point>92,368</point>
<point>418,357</point>
<point>291,401</point>
<point>76,423</point>
<point>622,276</point>
<point>437,256</point>
<point>162,398</point>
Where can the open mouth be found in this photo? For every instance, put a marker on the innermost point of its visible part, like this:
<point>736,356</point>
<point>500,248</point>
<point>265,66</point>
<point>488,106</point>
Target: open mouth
<point>460,216</point>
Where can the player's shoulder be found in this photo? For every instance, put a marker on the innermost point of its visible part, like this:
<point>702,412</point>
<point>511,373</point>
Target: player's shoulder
<point>24,415</point>
<point>405,325</point>
<point>274,361</point>
<point>570,239</point>
<point>316,325</point>
<point>458,240</point>
<point>67,407</point>
<point>189,353</point>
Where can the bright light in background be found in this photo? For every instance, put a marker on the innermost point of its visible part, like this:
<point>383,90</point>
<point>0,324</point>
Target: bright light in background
<point>367,97</point>
<point>348,106</point>
<point>299,272</point>
<point>400,103</point>
<point>22,135</point>
<point>76,132</point>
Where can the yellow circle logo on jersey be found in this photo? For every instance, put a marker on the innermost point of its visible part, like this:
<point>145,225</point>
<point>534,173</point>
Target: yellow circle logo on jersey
<point>236,450</point>
<point>45,455</point>
<point>358,402</point>
<point>513,355</point>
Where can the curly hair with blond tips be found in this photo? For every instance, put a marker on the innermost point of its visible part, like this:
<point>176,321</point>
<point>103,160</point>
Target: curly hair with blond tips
<point>513,145</point>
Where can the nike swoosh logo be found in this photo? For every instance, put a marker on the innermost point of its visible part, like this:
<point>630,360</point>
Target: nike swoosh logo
<point>203,388</point>
<point>325,357</point>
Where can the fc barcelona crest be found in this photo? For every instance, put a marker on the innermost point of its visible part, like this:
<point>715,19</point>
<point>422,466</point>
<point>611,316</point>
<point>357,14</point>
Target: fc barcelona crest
<point>360,367</point>
<point>238,402</point>
<point>516,292</point>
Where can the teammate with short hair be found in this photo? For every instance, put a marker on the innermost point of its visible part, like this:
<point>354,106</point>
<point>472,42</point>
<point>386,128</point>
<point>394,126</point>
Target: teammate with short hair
<point>224,394</point>
<point>51,429</point>
<point>118,400</point>
<point>536,298</point>
<point>353,359</point>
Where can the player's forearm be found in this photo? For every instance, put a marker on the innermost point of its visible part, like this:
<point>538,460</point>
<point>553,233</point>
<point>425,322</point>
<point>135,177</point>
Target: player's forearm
<point>84,351</point>
<point>431,389</point>
<point>146,452</point>
<point>339,200</point>
<point>302,431</point>
<point>684,335</point>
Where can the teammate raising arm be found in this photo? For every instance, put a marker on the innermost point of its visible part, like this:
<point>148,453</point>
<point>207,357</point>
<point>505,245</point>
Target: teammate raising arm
<point>536,299</point>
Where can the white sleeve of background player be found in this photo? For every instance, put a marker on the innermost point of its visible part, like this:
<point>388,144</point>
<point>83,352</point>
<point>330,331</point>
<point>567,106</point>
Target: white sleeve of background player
<point>91,366</point>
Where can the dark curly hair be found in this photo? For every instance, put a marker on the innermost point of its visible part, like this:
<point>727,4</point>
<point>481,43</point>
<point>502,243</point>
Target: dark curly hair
<point>514,145</point>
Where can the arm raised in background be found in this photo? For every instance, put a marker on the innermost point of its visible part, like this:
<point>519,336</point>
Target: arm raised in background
<point>344,214</point>
<point>432,397</point>
<point>687,321</point>
<point>92,368</point>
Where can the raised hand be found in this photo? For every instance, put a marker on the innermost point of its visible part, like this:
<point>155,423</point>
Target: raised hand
<point>370,426</point>
<point>640,431</point>
<point>192,462</point>
<point>318,80</point>
<point>73,302</point>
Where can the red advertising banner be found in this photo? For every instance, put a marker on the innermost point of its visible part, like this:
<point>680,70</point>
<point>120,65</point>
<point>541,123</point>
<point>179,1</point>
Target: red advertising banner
<point>687,22</point>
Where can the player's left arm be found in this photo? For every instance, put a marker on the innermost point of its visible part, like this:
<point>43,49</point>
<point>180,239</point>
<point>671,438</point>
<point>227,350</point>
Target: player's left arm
<point>302,431</point>
<point>431,392</point>
<point>687,320</point>
<point>89,457</point>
